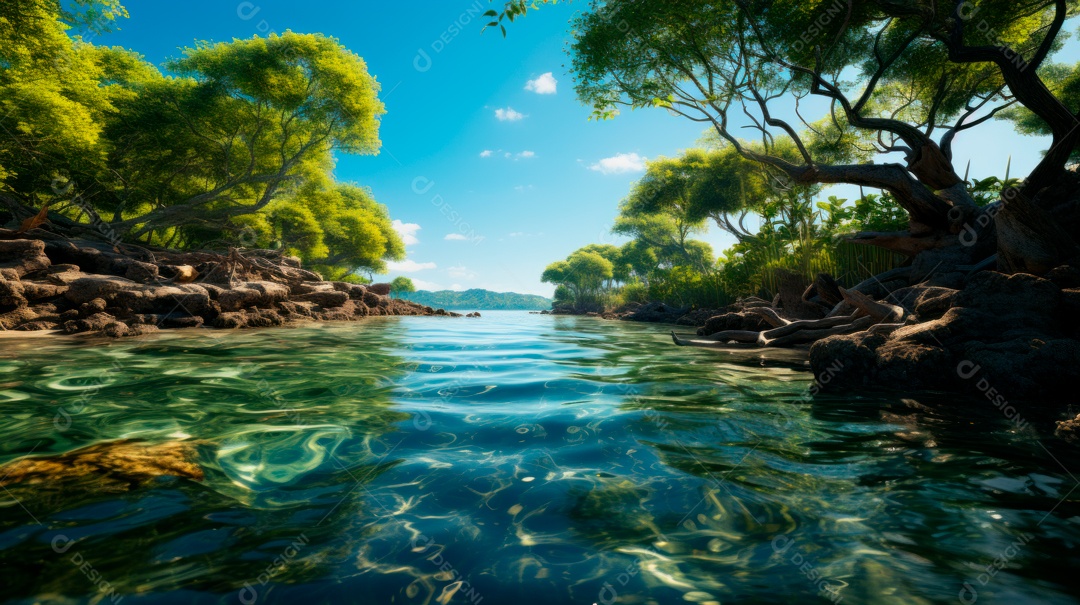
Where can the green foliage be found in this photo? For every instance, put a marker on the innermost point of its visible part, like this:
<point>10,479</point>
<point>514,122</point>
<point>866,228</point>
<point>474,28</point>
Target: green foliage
<point>480,300</point>
<point>232,146</point>
<point>401,286</point>
<point>585,274</point>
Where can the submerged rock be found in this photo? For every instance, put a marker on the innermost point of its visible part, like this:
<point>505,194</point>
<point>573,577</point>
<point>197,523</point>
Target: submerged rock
<point>112,466</point>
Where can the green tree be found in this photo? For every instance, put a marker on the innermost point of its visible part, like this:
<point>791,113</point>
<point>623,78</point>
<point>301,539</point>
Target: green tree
<point>906,77</point>
<point>585,274</point>
<point>231,146</point>
<point>401,285</point>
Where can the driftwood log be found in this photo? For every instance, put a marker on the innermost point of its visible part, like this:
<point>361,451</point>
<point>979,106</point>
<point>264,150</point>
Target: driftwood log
<point>852,311</point>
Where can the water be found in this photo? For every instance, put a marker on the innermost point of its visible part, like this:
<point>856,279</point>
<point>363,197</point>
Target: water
<point>515,459</point>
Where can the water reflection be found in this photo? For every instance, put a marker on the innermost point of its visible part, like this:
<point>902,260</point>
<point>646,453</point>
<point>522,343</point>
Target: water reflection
<point>517,459</point>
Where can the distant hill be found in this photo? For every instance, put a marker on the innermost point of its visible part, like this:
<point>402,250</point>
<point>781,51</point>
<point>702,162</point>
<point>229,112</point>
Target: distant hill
<point>480,300</point>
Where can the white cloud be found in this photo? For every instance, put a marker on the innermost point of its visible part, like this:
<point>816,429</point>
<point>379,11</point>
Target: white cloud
<point>426,285</point>
<point>620,164</point>
<point>486,153</point>
<point>508,115</point>
<point>456,237</point>
<point>457,288</point>
<point>544,85</point>
<point>527,154</point>
<point>407,231</point>
<point>408,266</point>
<point>461,272</point>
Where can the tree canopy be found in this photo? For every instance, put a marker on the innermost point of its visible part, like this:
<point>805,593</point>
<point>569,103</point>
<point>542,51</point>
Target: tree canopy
<point>899,81</point>
<point>232,144</point>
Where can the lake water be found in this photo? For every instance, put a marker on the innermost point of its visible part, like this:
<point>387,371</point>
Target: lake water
<point>517,459</point>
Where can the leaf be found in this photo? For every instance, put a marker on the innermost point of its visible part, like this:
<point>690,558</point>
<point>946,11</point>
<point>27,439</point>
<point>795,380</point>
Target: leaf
<point>35,221</point>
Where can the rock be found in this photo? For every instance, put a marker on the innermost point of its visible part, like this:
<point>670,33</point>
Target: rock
<point>1069,430</point>
<point>372,299</point>
<point>248,294</point>
<point>170,321</point>
<point>355,291</point>
<point>189,298</point>
<point>309,287</point>
<point>903,364</point>
<point>91,307</point>
<point>212,290</point>
<point>12,294</point>
<point>12,319</point>
<point>327,299</point>
<point>472,315</point>
<point>112,466</point>
<point>1065,276</point>
<point>18,249</point>
<point>1019,297</point>
<point>116,329</point>
<point>379,289</point>
<point>38,325</point>
<point>734,321</point>
<point>957,325</point>
<point>144,273</point>
<point>849,360</point>
<point>42,291</point>
<point>934,302</point>
<point>97,286</point>
<point>63,275</point>
<point>248,319</point>
<point>21,257</point>
<point>184,274</point>
<point>1027,367</point>
<point>93,323</point>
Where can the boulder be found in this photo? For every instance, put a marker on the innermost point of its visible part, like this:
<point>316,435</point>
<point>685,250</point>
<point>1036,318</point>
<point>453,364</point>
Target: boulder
<point>91,307</point>
<point>1013,298</point>
<point>22,257</point>
<point>850,360</point>
<point>97,286</point>
<point>42,291</point>
<point>144,273</point>
<point>260,318</point>
<point>252,294</point>
<point>37,325</point>
<point>1065,276</point>
<point>12,293</point>
<point>93,323</point>
<point>19,316</point>
<point>934,302</point>
<point>734,321</point>
<point>372,299</point>
<point>380,289</point>
<point>355,291</point>
<point>1069,430</point>
<point>18,249</point>
<point>327,299</point>
<point>170,320</point>
<point>909,365</point>
<point>189,298</point>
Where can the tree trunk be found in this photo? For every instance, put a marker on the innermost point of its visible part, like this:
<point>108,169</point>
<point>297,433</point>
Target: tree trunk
<point>1030,240</point>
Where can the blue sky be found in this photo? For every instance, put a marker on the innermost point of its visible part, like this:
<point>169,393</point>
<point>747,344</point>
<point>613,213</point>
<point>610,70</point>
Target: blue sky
<point>491,177</point>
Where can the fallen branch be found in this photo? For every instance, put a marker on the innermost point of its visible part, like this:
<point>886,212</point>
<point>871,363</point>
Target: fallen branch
<point>882,312</point>
<point>770,315</point>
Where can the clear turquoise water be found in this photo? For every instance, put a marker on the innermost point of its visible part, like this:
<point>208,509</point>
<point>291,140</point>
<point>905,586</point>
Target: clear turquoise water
<point>517,459</point>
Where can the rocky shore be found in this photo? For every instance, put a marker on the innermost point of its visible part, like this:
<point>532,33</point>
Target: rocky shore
<point>82,286</point>
<point>1011,339</point>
